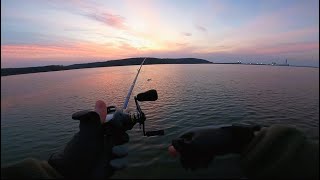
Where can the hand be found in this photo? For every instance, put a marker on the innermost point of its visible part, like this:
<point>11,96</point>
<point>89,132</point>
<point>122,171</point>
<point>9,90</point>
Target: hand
<point>114,136</point>
<point>87,154</point>
<point>198,146</point>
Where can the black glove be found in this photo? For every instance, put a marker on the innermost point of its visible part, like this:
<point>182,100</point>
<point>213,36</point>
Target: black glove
<point>89,152</point>
<point>198,146</point>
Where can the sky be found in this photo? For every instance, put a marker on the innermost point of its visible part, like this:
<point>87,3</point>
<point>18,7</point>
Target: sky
<point>45,32</point>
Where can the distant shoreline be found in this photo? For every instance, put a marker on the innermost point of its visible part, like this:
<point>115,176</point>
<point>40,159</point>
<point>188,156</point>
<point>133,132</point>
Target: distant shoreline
<point>121,62</point>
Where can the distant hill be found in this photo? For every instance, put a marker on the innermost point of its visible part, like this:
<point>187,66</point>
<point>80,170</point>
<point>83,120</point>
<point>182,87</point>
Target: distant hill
<point>121,62</point>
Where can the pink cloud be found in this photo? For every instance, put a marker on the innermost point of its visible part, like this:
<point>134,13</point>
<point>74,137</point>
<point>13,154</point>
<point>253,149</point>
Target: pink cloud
<point>94,10</point>
<point>109,19</point>
<point>79,50</point>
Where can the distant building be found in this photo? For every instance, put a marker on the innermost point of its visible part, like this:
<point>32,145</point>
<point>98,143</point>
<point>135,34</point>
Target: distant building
<point>285,64</point>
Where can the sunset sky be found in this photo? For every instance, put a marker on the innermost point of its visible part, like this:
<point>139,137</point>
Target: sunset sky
<point>44,32</point>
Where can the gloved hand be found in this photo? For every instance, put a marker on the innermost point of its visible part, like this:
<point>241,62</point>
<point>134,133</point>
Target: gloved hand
<point>198,146</point>
<point>115,136</point>
<point>90,153</point>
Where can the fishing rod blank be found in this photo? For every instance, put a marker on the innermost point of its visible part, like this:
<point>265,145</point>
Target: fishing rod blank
<point>126,102</point>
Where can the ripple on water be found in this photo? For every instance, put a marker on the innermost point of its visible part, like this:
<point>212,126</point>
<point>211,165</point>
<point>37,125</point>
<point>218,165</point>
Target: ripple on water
<point>37,121</point>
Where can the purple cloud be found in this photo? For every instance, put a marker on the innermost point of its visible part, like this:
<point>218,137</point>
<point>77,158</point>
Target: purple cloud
<point>187,34</point>
<point>201,28</point>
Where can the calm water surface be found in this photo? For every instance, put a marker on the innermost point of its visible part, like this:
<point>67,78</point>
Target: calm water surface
<point>36,109</point>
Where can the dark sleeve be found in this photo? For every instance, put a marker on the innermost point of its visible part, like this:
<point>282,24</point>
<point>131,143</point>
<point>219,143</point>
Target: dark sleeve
<point>83,151</point>
<point>281,152</point>
<point>29,169</point>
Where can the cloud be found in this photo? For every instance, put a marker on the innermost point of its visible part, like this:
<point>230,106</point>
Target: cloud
<point>187,34</point>
<point>257,37</point>
<point>78,30</point>
<point>286,48</point>
<point>201,28</point>
<point>126,46</point>
<point>181,44</point>
<point>93,10</point>
<point>64,52</point>
<point>113,20</point>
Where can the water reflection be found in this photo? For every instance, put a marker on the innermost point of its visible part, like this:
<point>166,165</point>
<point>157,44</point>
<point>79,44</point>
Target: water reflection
<point>36,108</point>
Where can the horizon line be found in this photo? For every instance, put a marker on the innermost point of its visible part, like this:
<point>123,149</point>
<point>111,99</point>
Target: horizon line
<point>213,62</point>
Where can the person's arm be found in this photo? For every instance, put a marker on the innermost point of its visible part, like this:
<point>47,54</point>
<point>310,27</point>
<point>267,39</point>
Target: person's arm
<point>87,155</point>
<point>274,152</point>
<point>78,159</point>
<point>94,151</point>
<point>29,168</point>
<point>84,150</point>
<point>281,152</point>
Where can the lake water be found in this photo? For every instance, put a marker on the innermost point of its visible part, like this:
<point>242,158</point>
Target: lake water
<point>36,108</point>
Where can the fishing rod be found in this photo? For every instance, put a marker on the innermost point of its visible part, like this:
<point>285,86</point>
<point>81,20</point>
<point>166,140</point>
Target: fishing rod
<point>126,101</point>
<point>128,120</point>
<point>118,121</point>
